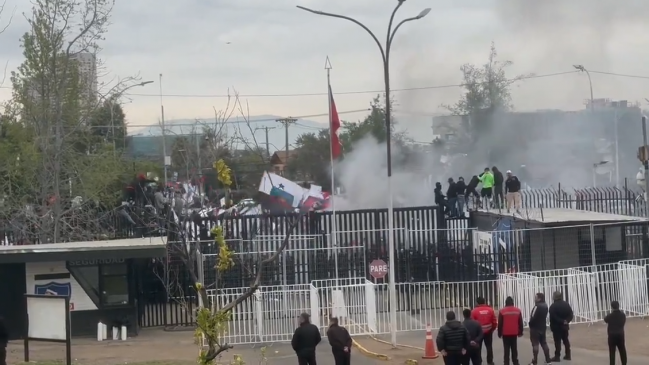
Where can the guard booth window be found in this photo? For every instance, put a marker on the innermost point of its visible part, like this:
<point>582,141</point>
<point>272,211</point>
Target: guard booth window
<point>105,283</point>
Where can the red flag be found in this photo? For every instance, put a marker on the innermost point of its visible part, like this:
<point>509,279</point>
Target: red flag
<point>336,147</point>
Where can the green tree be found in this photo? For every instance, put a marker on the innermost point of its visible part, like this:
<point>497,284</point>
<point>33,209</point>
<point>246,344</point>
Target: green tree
<point>108,124</point>
<point>486,91</point>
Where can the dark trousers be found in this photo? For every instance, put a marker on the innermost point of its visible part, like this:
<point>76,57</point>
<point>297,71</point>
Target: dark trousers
<point>453,359</point>
<point>306,360</point>
<point>488,344</point>
<point>561,335</point>
<point>616,342</point>
<point>3,355</point>
<point>342,357</point>
<point>498,196</point>
<point>510,346</point>
<point>473,357</point>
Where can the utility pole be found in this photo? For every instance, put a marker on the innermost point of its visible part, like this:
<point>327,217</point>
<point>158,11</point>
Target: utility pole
<point>287,122</point>
<point>166,159</point>
<point>266,129</point>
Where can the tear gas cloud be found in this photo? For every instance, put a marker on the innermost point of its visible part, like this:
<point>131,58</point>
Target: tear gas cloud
<point>555,147</point>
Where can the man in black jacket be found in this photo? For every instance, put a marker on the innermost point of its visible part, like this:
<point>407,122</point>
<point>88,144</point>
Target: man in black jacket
<point>452,340</point>
<point>305,339</point>
<point>4,339</point>
<point>538,327</point>
<point>440,199</point>
<point>560,317</point>
<point>451,195</point>
<point>616,321</point>
<point>473,327</point>
<point>513,192</point>
<point>471,190</point>
<point>340,341</point>
<point>499,180</point>
<point>460,188</point>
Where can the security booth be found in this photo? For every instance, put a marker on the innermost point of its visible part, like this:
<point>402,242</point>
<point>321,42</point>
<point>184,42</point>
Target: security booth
<point>99,277</point>
<point>555,238</point>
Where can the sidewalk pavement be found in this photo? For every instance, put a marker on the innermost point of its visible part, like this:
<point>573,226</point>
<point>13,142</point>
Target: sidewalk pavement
<point>417,339</point>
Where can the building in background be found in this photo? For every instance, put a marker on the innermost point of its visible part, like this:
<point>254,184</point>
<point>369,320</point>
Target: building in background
<point>87,64</point>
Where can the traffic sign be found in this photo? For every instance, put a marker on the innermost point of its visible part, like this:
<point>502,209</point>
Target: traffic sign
<point>378,269</point>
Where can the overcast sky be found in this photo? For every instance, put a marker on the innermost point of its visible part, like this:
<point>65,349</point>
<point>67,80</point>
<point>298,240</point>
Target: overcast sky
<point>202,48</point>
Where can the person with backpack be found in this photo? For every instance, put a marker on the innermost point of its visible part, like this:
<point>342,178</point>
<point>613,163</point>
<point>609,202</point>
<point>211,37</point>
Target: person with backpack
<point>510,328</point>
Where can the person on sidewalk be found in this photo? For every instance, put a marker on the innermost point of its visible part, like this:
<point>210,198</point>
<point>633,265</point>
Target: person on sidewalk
<point>615,329</point>
<point>452,340</point>
<point>305,339</point>
<point>510,328</point>
<point>538,327</point>
<point>486,316</point>
<point>340,341</point>
<point>474,352</point>
<point>560,317</point>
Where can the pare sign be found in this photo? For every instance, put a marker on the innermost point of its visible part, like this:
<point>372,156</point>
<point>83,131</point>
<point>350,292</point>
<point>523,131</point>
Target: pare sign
<point>378,269</point>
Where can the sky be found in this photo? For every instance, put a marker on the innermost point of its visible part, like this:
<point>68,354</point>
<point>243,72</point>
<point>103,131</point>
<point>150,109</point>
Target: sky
<point>205,49</point>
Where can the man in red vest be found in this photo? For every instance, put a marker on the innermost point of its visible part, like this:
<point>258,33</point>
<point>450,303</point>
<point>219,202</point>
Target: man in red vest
<point>510,328</point>
<point>486,316</point>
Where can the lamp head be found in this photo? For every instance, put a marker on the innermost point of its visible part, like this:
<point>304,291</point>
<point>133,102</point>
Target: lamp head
<point>423,13</point>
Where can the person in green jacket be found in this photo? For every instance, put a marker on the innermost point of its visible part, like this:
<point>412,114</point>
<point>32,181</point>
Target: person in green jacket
<point>487,180</point>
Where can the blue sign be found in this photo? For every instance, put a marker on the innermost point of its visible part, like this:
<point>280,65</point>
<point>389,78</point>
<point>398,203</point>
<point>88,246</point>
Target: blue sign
<point>53,288</point>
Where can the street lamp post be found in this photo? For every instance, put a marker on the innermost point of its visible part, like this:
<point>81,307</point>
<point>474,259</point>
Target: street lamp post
<point>112,105</point>
<point>590,82</point>
<point>385,57</point>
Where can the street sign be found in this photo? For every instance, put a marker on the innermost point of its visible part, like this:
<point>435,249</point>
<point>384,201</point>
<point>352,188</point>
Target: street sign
<point>378,269</point>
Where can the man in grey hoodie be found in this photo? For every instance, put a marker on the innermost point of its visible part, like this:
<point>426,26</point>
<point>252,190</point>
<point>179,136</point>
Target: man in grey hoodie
<point>538,327</point>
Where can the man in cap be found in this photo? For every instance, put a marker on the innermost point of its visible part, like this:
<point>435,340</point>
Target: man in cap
<point>305,339</point>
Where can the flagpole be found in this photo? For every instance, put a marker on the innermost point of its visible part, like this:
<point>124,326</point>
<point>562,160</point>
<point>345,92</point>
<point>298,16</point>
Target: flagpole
<point>334,240</point>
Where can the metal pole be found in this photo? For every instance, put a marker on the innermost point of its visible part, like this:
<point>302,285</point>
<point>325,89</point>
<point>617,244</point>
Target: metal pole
<point>199,167</point>
<point>267,142</point>
<point>334,240</point>
<point>287,123</point>
<point>646,161</point>
<point>593,257</point>
<point>164,138</point>
<point>617,154</point>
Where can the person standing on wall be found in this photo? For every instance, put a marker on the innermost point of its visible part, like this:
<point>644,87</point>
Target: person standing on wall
<point>538,327</point>
<point>340,341</point>
<point>451,195</point>
<point>615,329</point>
<point>513,192</point>
<point>4,339</point>
<point>486,316</point>
<point>305,339</point>
<point>473,353</point>
<point>487,180</point>
<point>499,180</point>
<point>452,340</point>
<point>560,317</point>
<point>510,328</point>
<point>460,188</point>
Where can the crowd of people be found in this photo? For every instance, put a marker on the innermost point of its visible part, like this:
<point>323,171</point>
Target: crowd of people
<point>496,191</point>
<point>461,342</point>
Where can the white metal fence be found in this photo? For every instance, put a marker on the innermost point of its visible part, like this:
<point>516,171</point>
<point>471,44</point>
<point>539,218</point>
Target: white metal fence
<point>272,314</point>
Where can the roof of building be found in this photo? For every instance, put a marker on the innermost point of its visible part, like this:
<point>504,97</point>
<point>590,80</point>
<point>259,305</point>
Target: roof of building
<point>68,251</point>
<point>560,215</point>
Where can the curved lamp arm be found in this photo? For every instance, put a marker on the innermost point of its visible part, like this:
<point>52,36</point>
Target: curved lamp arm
<point>390,34</point>
<point>421,15</point>
<point>317,12</point>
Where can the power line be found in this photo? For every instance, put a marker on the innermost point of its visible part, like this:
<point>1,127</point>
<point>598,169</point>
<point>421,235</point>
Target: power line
<point>371,91</point>
<point>344,92</point>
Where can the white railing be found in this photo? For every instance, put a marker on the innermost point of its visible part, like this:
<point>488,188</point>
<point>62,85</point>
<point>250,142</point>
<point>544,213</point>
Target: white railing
<point>362,306</point>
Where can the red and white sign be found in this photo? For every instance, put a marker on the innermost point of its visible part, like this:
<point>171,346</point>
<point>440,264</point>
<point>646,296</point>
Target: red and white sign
<point>378,269</point>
